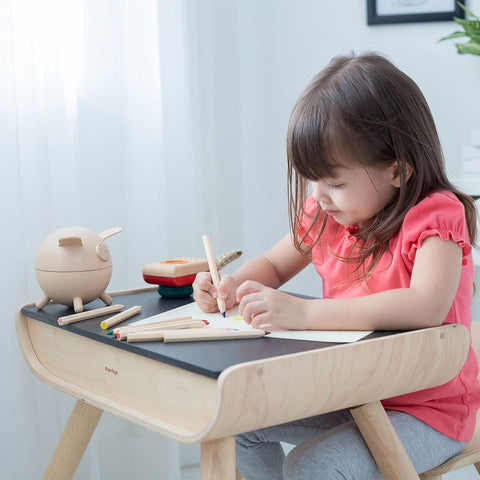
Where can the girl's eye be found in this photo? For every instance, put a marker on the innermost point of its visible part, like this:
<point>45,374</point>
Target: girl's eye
<point>334,187</point>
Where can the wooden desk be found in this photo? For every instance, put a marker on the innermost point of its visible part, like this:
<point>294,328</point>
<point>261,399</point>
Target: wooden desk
<point>209,391</point>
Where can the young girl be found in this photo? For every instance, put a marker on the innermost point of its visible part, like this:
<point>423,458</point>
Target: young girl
<point>372,208</point>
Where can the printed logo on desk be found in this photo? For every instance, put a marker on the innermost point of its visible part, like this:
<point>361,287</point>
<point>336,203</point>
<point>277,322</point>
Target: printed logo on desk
<point>111,370</point>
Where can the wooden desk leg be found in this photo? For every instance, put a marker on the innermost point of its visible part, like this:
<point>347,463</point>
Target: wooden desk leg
<point>73,442</point>
<point>217,459</point>
<point>383,442</point>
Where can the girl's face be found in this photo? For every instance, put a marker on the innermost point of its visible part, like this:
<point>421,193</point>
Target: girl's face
<point>356,194</point>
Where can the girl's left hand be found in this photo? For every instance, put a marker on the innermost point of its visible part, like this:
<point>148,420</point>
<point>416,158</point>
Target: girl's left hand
<point>260,305</point>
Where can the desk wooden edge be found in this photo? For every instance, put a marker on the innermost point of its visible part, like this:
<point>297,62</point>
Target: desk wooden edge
<point>265,389</point>
<point>94,399</point>
<point>394,365</point>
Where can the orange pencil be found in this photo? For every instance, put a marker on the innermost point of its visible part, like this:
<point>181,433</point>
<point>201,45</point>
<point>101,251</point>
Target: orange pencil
<point>123,334</point>
<point>145,326</point>
<point>157,322</point>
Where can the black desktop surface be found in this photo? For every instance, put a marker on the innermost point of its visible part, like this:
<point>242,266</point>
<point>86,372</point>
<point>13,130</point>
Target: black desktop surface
<point>208,358</point>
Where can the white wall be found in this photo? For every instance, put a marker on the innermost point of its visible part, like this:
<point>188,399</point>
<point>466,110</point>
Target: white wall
<point>252,60</point>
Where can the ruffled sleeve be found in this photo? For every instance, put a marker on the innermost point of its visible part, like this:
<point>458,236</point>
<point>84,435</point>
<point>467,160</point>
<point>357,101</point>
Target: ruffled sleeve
<point>440,214</point>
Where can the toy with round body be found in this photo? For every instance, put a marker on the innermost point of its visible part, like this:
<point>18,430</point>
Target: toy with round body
<point>73,267</point>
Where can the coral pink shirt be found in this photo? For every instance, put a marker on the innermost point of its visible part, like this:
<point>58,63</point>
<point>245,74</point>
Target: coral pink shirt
<point>449,408</point>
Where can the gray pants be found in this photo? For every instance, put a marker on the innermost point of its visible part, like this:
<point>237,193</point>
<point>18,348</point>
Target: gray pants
<point>331,447</point>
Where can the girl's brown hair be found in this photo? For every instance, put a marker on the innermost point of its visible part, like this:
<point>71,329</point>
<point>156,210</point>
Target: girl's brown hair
<point>363,107</point>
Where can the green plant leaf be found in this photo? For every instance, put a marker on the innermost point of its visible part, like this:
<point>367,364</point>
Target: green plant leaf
<point>470,47</point>
<point>454,35</point>
<point>474,36</point>
<point>469,25</point>
<point>471,30</point>
<point>467,11</point>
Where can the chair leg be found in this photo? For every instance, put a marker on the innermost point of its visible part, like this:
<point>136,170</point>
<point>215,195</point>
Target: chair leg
<point>477,466</point>
<point>238,475</point>
<point>383,442</point>
<point>425,476</point>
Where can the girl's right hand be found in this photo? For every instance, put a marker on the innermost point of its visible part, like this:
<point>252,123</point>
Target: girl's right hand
<point>205,293</point>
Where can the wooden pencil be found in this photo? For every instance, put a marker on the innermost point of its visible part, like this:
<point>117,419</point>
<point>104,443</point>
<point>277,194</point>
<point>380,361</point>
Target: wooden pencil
<point>135,326</point>
<point>120,317</point>
<point>123,334</point>
<point>157,322</point>
<point>151,326</point>
<point>211,334</point>
<point>212,266</point>
<point>177,335</point>
<point>97,312</point>
<point>147,335</point>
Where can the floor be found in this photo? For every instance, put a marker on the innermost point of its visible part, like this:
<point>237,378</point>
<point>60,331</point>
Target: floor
<point>191,473</point>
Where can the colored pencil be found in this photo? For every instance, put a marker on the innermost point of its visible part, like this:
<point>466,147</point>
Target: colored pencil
<point>120,317</point>
<point>174,335</point>
<point>138,326</point>
<point>123,334</point>
<point>98,312</point>
<point>211,334</point>
<point>147,335</point>
<point>166,321</point>
<point>212,266</point>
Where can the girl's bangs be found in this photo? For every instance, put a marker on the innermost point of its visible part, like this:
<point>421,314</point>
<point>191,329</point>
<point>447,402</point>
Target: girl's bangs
<point>316,144</point>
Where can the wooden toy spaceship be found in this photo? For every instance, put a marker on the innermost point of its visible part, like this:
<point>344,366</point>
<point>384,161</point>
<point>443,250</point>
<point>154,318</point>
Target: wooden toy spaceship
<point>175,277</point>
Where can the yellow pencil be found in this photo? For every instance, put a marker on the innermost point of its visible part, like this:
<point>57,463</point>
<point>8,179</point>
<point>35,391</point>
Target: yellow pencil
<point>212,266</point>
<point>120,317</point>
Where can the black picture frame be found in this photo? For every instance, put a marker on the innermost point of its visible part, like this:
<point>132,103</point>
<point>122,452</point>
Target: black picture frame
<point>373,18</point>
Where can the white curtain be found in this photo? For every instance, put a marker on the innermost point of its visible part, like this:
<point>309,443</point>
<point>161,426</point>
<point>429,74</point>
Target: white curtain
<point>96,130</point>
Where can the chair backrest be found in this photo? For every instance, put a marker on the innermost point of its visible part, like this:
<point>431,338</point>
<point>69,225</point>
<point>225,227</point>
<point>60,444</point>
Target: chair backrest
<point>471,453</point>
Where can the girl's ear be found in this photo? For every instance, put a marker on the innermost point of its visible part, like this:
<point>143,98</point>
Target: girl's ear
<point>396,180</point>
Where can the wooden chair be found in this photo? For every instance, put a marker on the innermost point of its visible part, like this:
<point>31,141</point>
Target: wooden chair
<point>471,453</point>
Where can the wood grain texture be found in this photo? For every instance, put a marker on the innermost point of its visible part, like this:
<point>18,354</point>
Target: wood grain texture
<point>383,442</point>
<point>160,397</point>
<point>73,442</point>
<point>217,460</point>
<point>290,387</point>
<point>471,452</point>
<point>189,407</point>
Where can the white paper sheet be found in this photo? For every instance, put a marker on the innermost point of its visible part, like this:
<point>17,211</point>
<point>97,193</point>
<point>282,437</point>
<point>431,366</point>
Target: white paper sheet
<point>330,336</point>
<point>235,321</point>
